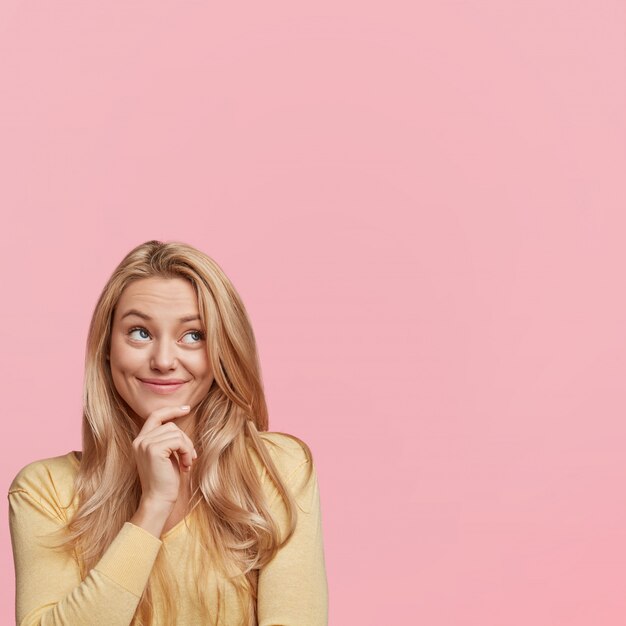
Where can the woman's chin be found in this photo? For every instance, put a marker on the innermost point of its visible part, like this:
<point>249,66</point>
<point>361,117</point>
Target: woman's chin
<point>145,411</point>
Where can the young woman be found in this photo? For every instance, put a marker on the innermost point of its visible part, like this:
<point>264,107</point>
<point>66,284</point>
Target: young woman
<point>182,508</point>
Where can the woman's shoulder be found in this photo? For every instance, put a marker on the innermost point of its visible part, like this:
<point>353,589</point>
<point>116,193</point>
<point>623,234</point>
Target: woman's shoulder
<point>288,452</point>
<point>48,479</point>
<point>286,448</point>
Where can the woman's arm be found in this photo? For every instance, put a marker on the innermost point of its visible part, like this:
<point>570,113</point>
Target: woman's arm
<point>49,590</point>
<point>292,589</point>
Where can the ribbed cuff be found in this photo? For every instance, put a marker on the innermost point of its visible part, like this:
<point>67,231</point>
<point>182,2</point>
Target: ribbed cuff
<point>130,557</point>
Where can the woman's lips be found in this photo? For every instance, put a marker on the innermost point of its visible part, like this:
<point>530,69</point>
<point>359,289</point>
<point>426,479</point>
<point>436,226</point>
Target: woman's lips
<point>162,390</point>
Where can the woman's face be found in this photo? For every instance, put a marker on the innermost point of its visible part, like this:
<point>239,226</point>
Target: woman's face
<point>157,336</point>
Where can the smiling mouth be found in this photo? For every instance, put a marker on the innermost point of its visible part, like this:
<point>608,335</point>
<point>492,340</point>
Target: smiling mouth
<point>162,388</point>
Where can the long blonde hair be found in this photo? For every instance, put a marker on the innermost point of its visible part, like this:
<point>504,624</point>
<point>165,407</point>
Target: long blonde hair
<point>235,528</point>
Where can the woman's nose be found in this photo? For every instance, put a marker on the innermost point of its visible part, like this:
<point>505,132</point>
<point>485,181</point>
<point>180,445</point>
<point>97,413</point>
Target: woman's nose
<point>163,356</point>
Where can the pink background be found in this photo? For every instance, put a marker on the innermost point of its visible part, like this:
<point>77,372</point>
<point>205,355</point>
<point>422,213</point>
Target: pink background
<point>422,206</point>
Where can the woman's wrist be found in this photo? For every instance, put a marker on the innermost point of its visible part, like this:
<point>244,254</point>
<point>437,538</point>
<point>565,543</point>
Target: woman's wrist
<point>151,516</point>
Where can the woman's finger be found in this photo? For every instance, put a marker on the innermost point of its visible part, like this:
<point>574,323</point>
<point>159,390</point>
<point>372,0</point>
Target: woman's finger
<point>158,417</point>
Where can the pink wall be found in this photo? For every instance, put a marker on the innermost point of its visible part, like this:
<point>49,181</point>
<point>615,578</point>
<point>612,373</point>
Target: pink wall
<point>422,205</point>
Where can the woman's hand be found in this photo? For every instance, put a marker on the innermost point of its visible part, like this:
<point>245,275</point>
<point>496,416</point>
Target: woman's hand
<point>154,448</point>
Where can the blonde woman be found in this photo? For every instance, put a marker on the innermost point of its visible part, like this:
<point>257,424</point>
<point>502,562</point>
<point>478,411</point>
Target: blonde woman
<point>182,508</point>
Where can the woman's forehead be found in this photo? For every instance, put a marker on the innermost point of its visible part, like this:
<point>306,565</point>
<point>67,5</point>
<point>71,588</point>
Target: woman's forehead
<point>166,297</point>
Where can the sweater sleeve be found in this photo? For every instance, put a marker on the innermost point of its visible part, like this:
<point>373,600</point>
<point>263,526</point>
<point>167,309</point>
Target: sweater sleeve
<point>292,587</point>
<point>48,587</point>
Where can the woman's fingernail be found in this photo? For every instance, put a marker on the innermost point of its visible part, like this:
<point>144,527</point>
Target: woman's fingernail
<point>185,407</point>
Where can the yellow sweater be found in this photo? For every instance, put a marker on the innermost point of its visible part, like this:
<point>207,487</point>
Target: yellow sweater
<point>292,588</point>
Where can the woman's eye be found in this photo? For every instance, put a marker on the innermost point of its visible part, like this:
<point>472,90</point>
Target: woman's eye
<point>139,330</point>
<point>196,335</point>
<point>199,336</point>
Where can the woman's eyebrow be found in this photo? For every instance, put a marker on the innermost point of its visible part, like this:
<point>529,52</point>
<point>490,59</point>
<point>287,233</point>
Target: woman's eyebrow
<point>186,318</point>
